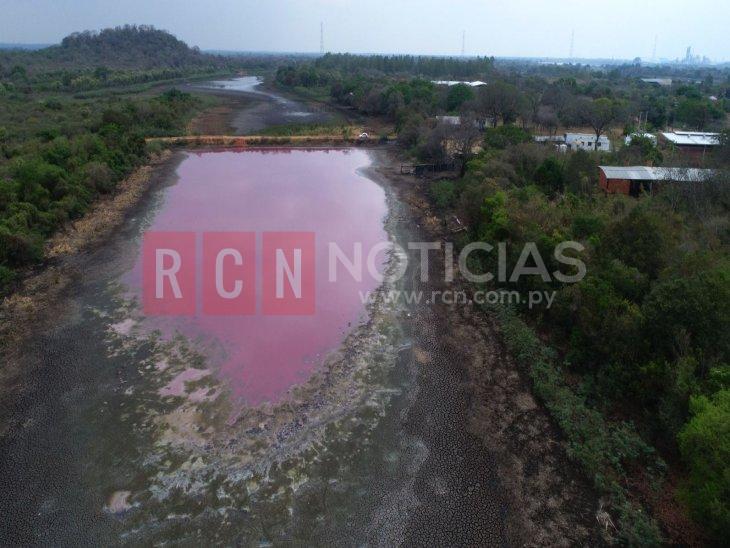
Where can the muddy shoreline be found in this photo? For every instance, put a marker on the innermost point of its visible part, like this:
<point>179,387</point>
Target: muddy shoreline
<point>249,112</point>
<point>545,500</point>
<point>33,306</point>
<point>480,462</point>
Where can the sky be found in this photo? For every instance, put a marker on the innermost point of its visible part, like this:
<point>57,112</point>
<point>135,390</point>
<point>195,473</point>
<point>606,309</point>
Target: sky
<point>621,29</point>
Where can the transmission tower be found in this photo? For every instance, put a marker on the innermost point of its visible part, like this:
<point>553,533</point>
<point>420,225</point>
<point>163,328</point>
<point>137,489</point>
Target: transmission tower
<point>321,38</point>
<point>572,43</point>
<point>653,55</point>
<point>463,43</point>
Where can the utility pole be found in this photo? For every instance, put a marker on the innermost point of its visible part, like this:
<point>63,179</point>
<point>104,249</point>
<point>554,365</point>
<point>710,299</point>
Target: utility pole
<point>321,38</point>
<point>463,43</point>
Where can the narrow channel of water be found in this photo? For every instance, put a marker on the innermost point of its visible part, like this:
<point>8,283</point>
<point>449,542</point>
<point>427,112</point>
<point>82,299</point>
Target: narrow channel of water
<point>289,110</point>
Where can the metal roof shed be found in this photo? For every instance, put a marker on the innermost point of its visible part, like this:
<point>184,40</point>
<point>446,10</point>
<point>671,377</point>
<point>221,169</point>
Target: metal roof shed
<point>631,180</point>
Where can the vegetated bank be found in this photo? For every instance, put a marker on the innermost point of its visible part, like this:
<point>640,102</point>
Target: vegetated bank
<point>632,362</point>
<point>73,123</point>
<point>633,357</point>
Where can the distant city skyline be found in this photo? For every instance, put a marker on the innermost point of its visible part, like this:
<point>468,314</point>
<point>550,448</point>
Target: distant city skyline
<point>622,29</point>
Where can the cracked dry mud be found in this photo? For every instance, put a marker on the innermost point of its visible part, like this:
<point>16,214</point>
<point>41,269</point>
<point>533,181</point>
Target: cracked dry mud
<point>418,430</point>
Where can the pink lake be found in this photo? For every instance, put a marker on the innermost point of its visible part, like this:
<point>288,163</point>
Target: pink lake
<point>257,190</point>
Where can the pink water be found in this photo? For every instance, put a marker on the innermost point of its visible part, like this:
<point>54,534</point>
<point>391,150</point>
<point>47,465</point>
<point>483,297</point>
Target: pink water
<point>276,190</point>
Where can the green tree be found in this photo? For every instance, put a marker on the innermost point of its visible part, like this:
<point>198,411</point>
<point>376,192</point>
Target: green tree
<point>691,315</point>
<point>641,239</point>
<point>705,446</point>
<point>457,96</point>
<point>503,136</point>
<point>499,100</point>
<point>697,112</point>
<point>550,177</point>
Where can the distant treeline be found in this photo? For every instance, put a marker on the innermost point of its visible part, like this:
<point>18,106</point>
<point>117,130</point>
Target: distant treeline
<point>536,101</point>
<point>17,80</point>
<point>441,67</point>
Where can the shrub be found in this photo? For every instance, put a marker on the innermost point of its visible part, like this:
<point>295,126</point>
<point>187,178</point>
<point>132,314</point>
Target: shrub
<point>98,177</point>
<point>18,249</point>
<point>443,193</point>
<point>683,313</point>
<point>705,445</point>
<point>549,176</point>
<point>503,136</point>
<point>7,276</point>
<point>53,104</point>
<point>458,95</point>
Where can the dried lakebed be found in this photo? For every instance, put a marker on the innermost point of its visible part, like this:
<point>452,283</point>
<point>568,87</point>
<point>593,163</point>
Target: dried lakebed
<point>248,107</point>
<point>130,429</point>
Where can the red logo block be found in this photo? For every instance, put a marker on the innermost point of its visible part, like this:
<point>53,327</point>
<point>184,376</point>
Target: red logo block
<point>168,273</point>
<point>288,273</point>
<point>229,273</point>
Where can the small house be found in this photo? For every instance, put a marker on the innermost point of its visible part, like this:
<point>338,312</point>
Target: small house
<point>449,83</point>
<point>587,141</point>
<point>479,123</point>
<point>663,82</point>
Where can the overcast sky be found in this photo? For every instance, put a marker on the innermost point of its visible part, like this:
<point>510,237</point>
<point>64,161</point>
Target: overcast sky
<point>603,28</point>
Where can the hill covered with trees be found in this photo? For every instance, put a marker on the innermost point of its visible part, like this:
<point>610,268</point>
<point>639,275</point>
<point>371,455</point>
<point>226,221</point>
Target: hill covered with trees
<point>120,48</point>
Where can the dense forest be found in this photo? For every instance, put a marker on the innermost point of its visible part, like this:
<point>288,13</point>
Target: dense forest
<point>643,337</point>
<point>545,97</point>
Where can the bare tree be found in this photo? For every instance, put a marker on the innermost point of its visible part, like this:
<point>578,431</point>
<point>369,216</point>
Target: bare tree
<point>547,118</point>
<point>598,114</point>
<point>463,137</point>
<point>434,144</point>
<point>530,108</point>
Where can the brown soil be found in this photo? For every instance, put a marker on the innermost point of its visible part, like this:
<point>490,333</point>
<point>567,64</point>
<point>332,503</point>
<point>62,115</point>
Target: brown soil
<point>217,120</point>
<point>550,501</point>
